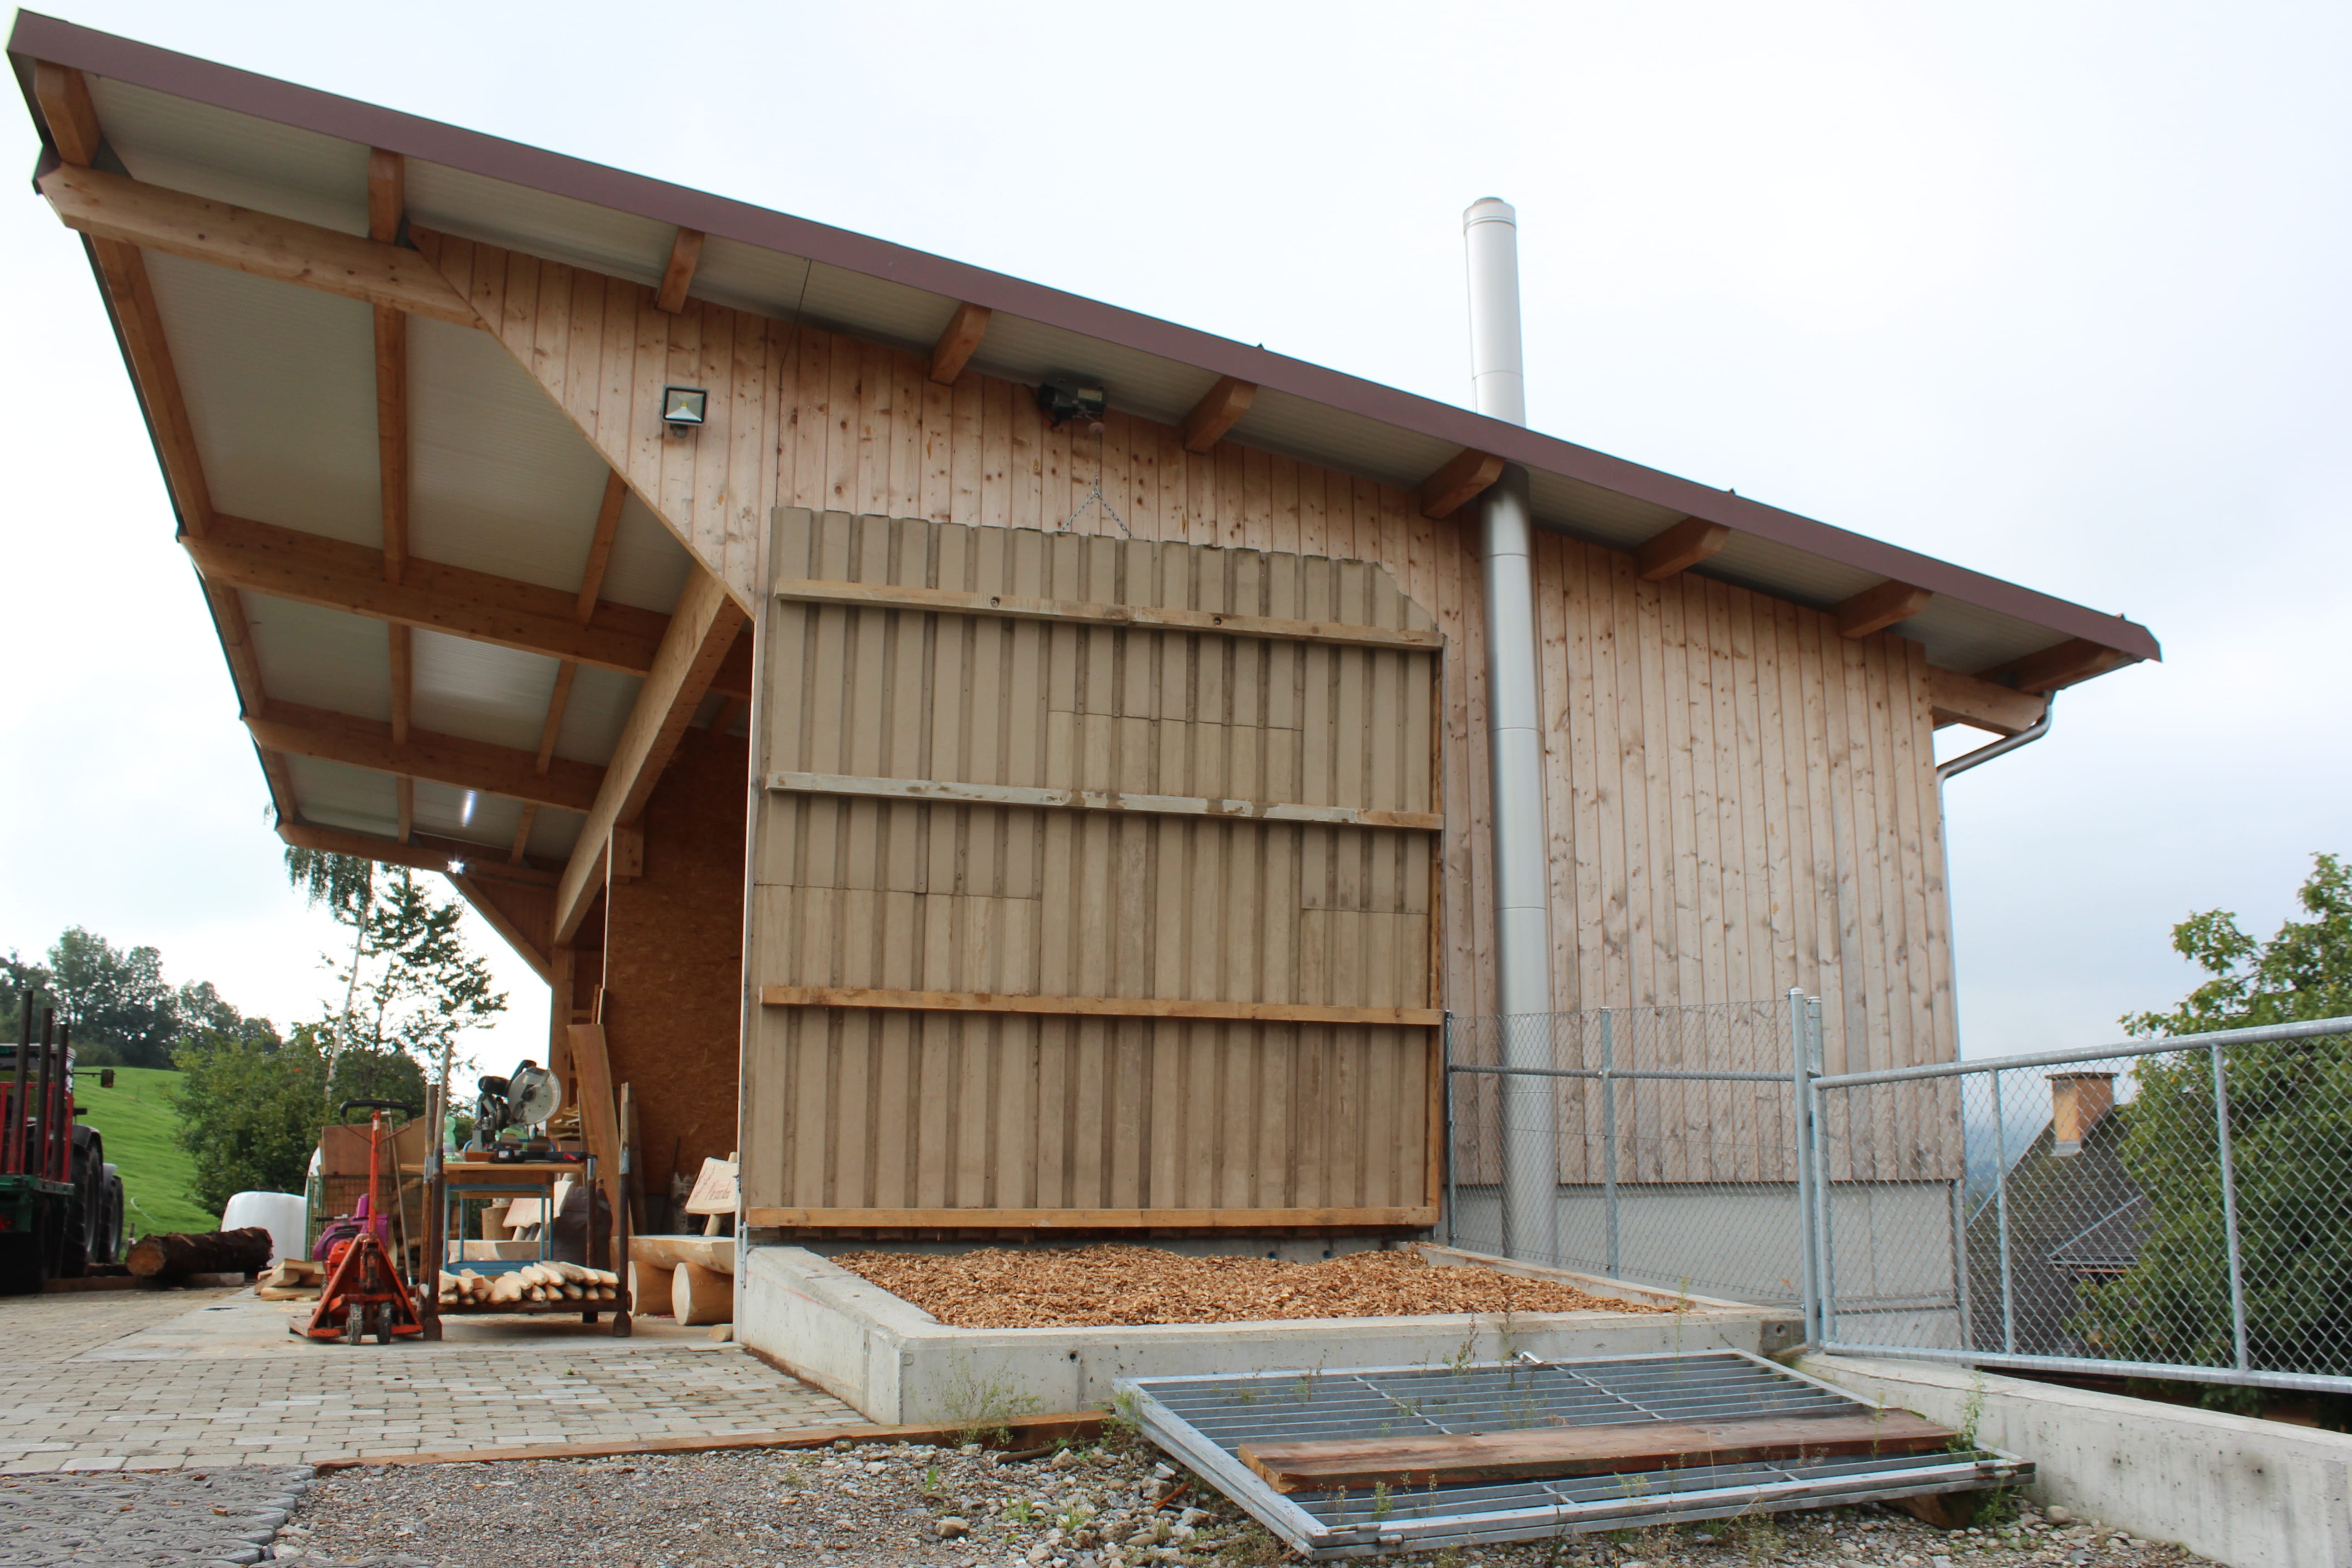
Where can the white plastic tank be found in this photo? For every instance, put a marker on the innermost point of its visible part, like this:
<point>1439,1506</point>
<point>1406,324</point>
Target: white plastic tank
<point>283,1215</point>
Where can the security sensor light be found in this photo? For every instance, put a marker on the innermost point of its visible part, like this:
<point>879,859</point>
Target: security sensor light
<point>683,405</point>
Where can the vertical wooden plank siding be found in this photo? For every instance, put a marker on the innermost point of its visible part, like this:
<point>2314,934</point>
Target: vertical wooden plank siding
<point>868,1112</point>
<point>1761,790</point>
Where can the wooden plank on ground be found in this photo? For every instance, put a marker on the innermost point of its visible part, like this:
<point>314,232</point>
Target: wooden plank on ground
<point>1404,1463</point>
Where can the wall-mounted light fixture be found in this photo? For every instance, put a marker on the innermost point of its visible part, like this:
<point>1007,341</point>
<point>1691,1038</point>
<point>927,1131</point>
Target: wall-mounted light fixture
<point>1066,400</point>
<point>682,407</point>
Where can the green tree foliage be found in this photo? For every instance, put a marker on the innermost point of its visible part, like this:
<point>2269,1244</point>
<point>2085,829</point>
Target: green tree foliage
<point>2290,1136</point>
<point>120,1009</point>
<point>250,1111</point>
<point>408,984</point>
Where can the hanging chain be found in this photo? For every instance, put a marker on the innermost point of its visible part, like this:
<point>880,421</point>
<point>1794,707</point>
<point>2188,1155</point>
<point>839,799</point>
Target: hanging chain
<point>1095,496</point>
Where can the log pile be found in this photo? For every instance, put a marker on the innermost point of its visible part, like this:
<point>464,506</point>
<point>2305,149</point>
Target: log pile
<point>535,1282</point>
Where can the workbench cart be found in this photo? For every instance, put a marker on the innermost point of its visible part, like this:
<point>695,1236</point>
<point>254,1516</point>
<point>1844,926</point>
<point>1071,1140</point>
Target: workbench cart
<point>455,1183</point>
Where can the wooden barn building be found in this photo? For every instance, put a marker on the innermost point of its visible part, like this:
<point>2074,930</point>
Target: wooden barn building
<point>727,605</point>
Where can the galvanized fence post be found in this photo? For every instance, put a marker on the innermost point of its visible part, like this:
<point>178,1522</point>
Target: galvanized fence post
<point>1453,1160</point>
<point>1609,1131</point>
<point>1824,1240</point>
<point>2230,1213</point>
<point>2000,1218</point>
<point>1802,1110</point>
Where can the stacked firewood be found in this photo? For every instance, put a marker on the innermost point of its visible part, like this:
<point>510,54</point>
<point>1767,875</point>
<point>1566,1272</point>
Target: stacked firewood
<point>532,1282</point>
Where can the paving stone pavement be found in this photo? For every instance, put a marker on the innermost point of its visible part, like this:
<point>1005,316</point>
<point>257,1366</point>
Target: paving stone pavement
<point>141,1381</point>
<point>225,1516</point>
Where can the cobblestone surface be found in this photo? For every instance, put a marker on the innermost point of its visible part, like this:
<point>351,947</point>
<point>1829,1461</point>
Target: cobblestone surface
<point>188,1380</point>
<point>225,1516</point>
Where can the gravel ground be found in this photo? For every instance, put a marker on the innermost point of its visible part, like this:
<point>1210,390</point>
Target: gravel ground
<point>1113,1283</point>
<point>1099,1507</point>
<point>218,1515</point>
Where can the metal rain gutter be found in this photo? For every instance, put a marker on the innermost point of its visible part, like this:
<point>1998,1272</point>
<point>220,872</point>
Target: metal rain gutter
<point>1514,740</point>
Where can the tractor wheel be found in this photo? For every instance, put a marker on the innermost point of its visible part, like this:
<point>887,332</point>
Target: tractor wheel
<point>109,1247</point>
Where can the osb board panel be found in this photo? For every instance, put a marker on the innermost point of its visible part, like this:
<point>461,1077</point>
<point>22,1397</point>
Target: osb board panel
<point>906,1110</point>
<point>673,999</point>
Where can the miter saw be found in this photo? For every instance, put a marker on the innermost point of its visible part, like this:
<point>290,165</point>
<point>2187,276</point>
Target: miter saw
<point>519,1104</point>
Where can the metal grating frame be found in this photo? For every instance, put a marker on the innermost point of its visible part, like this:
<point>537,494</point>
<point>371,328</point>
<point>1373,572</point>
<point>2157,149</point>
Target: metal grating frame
<point>1204,1421</point>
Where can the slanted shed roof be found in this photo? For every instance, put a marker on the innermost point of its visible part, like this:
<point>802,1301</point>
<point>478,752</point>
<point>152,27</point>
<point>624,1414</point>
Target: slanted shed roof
<point>279,390</point>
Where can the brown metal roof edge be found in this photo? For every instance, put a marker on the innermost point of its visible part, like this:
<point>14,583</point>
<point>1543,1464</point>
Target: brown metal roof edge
<point>37,36</point>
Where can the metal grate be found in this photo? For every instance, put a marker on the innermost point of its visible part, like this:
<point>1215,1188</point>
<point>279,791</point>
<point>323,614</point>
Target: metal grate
<point>1205,1421</point>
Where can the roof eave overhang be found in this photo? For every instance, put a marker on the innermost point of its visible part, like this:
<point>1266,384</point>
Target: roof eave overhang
<point>41,37</point>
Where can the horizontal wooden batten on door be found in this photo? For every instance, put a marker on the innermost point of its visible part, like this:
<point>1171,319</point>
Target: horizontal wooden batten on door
<point>1085,1219</point>
<point>948,793</point>
<point>1175,1008</point>
<point>1144,617</point>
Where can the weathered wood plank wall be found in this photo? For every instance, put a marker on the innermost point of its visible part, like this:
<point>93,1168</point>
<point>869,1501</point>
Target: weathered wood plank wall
<point>900,1115</point>
<point>1741,799</point>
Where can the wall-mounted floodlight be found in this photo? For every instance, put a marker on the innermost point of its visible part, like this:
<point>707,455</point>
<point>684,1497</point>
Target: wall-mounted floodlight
<point>684,407</point>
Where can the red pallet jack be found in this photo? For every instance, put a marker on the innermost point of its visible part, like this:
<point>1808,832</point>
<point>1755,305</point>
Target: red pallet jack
<point>364,1287</point>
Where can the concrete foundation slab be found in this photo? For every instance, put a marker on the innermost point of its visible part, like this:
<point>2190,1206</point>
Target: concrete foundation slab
<point>898,1364</point>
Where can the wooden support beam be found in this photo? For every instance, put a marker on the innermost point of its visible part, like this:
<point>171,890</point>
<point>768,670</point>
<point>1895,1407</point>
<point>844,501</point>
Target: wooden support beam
<point>600,1120</point>
<point>523,834</point>
<point>1957,699</point>
<point>404,793</point>
<point>1876,609</point>
<point>2075,660</point>
<point>518,912</point>
<point>287,564</point>
<point>702,629</point>
<point>685,252</point>
<point>109,207</point>
<point>303,731</point>
<point>157,380</point>
<point>959,341</point>
<point>1465,476</point>
<point>1146,617</point>
<point>63,94</point>
<point>1220,409</point>
<point>1097,1007</point>
<point>404,680</point>
<point>557,702</point>
<point>423,853</point>
<point>1679,548</point>
<point>1099,800</point>
<point>599,547</point>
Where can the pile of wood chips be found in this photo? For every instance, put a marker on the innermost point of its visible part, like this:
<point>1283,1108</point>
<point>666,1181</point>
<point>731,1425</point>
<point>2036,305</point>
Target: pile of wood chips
<point>1091,1287</point>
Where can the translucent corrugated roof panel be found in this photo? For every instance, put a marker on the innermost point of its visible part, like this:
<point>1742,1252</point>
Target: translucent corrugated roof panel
<point>1205,1421</point>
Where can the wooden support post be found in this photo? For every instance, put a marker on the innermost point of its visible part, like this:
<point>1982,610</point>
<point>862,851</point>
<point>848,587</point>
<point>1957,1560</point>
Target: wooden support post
<point>1679,548</point>
<point>1220,409</point>
<point>1465,476</point>
<point>599,1118</point>
<point>1876,609</point>
<point>959,339</point>
<point>685,255</point>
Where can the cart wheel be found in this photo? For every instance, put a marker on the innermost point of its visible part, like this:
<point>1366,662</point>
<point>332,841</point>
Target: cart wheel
<point>620,1325</point>
<point>383,1324</point>
<point>355,1323</point>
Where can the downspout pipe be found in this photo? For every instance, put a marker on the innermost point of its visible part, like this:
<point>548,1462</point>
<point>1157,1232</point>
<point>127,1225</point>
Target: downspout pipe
<point>1514,750</point>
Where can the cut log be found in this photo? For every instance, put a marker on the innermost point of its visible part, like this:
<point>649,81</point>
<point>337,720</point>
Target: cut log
<point>1413,1463</point>
<point>245,1251</point>
<point>699,1295</point>
<point>649,1286</point>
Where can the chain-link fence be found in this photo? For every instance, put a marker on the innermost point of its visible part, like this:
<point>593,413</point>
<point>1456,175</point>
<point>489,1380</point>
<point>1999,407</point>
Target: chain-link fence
<point>2177,1208</point>
<point>1659,1145</point>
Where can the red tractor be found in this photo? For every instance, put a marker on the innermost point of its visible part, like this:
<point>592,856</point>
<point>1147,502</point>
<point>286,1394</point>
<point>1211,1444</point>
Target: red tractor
<point>61,1202</point>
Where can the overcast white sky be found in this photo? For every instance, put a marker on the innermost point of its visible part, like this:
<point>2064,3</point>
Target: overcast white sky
<point>2053,291</point>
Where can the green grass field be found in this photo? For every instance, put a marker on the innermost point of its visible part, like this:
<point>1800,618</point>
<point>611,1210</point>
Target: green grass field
<point>139,1126</point>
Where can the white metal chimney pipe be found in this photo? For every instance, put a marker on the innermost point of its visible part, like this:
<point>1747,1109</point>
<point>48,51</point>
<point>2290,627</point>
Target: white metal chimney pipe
<point>1514,750</point>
